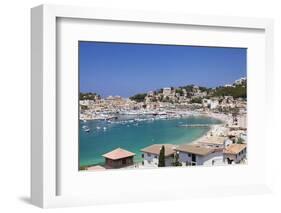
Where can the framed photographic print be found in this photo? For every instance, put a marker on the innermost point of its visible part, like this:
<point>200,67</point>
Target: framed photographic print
<point>154,106</point>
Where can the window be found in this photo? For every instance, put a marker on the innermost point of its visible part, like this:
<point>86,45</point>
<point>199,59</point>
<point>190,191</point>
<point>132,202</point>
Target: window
<point>189,155</point>
<point>124,161</point>
<point>193,157</point>
<point>148,154</point>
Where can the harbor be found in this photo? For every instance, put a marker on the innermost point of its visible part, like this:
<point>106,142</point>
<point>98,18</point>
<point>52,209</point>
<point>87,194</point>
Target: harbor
<point>134,134</point>
<point>168,105</point>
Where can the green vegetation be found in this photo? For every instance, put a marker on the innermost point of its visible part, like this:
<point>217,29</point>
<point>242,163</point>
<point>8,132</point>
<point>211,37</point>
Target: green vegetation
<point>83,168</point>
<point>138,97</point>
<point>237,92</point>
<point>180,91</point>
<point>205,89</point>
<point>176,160</point>
<point>161,161</point>
<point>161,98</point>
<point>188,88</point>
<point>88,96</point>
<point>166,99</point>
<point>240,141</point>
<point>154,99</point>
<point>196,100</point>
<point>84,107</point>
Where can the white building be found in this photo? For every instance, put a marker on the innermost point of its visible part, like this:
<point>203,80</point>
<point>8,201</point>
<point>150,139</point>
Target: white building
<point>235,153</point>
<point>242,121</point>
<point>210,103</point>
<point>167,91</point>
<point>214,104</point>
<point>228,85</point>
<point>86,102</point>
<point>194,154</point>
<point>215,142</point>
<point>206,102</point>
<point>151,155</point>
<point>240,81</point>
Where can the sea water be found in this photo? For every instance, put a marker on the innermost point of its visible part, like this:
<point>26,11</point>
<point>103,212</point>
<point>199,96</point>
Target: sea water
<point>134,134</point>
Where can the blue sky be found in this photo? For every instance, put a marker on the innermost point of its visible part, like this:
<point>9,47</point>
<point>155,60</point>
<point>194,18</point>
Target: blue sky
<point>126,69</point>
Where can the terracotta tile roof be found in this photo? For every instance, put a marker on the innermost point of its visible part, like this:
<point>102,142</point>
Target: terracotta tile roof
<point>234,148</point>
<point>195,149</point>
<point>118,154</point>
<point>95,168</point>
<point>155,149</point>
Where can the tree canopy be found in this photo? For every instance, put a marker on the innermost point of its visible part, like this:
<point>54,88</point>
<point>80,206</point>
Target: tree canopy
<point>88,96</point>
<point>237,91</point>
<point>138,97</point>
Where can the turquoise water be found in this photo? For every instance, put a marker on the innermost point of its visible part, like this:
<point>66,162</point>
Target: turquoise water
<point>133,135</point>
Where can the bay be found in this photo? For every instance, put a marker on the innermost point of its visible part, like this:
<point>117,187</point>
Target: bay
<point>134,133</point>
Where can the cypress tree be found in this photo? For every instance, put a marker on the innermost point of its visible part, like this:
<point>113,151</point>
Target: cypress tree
<point>161,162</point>
<point>176,160</point>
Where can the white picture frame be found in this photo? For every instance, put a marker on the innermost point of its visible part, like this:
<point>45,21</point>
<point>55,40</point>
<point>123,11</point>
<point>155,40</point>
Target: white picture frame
<point>45,179</point>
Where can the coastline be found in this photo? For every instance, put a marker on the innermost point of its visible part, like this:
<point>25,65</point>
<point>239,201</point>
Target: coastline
<point>220,117</point>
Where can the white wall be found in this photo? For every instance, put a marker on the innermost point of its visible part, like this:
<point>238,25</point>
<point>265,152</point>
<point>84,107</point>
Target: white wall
<point>202,160</point>
<point>151,160</point>
<point>15,116</point>
<point>184,157</point>
<point>208,159</point>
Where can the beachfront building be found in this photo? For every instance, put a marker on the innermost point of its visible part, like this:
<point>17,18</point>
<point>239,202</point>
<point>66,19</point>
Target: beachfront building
<point>210,103</point>
<point>151,155</point>
<point>119,158</point>
<point>214,103</point>
<point>235,153</point>
<point>195,154</point>
<point>215,142</point>
<point>242,121</point>
<point>206,102</point>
